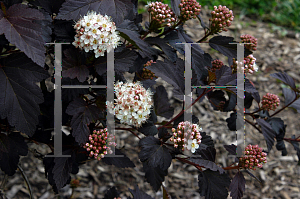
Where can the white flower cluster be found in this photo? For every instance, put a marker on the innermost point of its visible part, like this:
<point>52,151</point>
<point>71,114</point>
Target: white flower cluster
<point>96,32</point>
<point>133,103</point>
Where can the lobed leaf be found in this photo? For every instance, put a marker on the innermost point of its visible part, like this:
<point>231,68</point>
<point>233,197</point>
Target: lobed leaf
<point>154,175</point>
<point>268,132</point>
<point>237,186</point>
<point>155,154</point>
<point>123,61</point>
<point>73,65</point>
<point>207,164</point>
<point>224,46</point>
<point>11,147</point>
<point>20,96</point>
<point>129,30</point>
<point>213,185</point>
<point>285,78</point>
<point>121,162</point>
<point>83,115</point>
<point>161,103</point>
<point>231,149</point>
<point>74,9</point>
<point>19,29</point>
<point>289,96</point>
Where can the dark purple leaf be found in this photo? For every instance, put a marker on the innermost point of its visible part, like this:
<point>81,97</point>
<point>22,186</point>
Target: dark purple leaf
<point>175,7</point>
<point>19,29</point>
<point>285,78</point>
<point>138,194</point>
<point>155,154</point>
<point>123,61</point>
<point>129,32</point>
<point>209,153</point>
<point>75,9</point>
<point>231,149</point>
<point>164,134</point>
<point>215,97</point>
<point>224,77</point>
<point>70,94</point>
<point>121,162</point>
<point>173,39</point>
<point>213,185</point>
<point>11,147</point>
<point>62,169</point>
<point>206,141</point>
<point>207,164</point>
<point>9,3</point>
<point>48,5</point>
<point>231,122</point>
<point>237,186</point>
<point>268,132</point>
<point>83,115</point>
<point>168,50</point>
<point>173,73</point>
<point>161,103</point>
<point>64,31</point>
<point>148,128</point>
<point>73,65</point>
<point>20,96</point>
<point>249,87</point>
<point>184,38</point>
<point>155,176</point>
<point>289,96</point>
<point>222,44</point>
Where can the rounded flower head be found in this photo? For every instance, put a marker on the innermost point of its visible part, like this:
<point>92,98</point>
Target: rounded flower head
<point>187,136</point>
<point>95,32</point>
<point>253,157</point>
<point>249,39</point>
<point>270,102</point>
<point>99,144</point>
<point>160,14</point>
<point>189,9</point>
<point>133,103</point>
<point>221,18</point>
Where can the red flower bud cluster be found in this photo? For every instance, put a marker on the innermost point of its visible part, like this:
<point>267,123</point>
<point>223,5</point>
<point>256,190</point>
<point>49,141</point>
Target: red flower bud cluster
<point>221,18</point>
<point>189,9</point>
<point>187,136</point>
<point>99,144</point>
<point>270,102</point>
<point>216,64</point>
<point>161,14</point>
<point>253,157</point>
<point>249,39</point>
<point>148,74</point>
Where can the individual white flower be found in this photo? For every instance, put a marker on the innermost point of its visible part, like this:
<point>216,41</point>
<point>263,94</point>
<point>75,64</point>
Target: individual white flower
<point>96,32</point>
<point>192,145</point>
<point>255,67</point>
